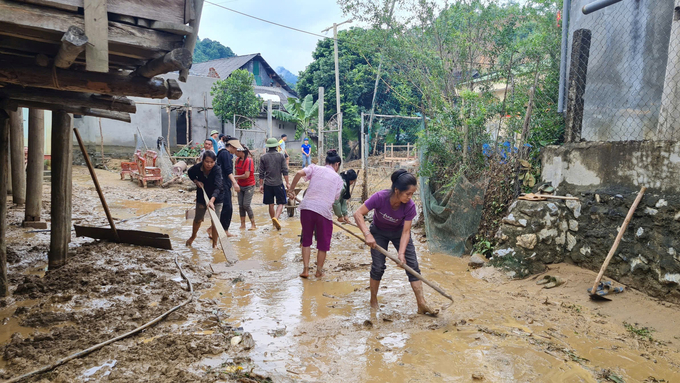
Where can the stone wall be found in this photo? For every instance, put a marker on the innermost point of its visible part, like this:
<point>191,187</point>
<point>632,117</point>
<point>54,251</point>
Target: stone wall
<point>582,232</point>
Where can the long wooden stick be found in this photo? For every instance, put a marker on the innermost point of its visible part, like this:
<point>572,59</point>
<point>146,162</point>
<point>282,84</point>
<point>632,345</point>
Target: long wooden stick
<point>218,230</point>
<point>395,259</point>
<point>96,184</point>
<point>622,230</point>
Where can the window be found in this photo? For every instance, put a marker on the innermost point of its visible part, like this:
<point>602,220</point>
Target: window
<point>280,126</point>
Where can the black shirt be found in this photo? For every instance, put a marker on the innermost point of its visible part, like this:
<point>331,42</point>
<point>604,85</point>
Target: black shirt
<point>224,160</point>
<point>212,183</point>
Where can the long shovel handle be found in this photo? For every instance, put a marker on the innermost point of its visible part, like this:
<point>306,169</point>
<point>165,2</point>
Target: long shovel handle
<point>622,230</point>
<point>405,266</point>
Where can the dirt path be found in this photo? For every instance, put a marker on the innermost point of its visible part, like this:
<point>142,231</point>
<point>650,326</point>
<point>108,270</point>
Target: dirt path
<point>305,330</point>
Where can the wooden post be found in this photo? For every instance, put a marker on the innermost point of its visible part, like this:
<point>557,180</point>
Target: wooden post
<point>364,160</point>
<point>97,31</point>
<point>321,125</point>
<point>35,167</point>
<point>72,44</point>
<point>16,143</point>
<point>392,151</point>
<point>167,108</point>
<point>580,52</point>
<point>190,42</point>
<point>408,151</point>
<point>4,173</point>
<point>205,114</point>
<point>270,122</point>
<point>62,157</point>
<point>186,118</point>
<point>101,141</point>
<point>384,150</point>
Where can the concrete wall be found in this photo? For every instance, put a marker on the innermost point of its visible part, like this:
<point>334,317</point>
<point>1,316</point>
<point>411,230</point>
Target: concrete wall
<point>626,69</point>
<point>152,121</point>
<point>613,166</point>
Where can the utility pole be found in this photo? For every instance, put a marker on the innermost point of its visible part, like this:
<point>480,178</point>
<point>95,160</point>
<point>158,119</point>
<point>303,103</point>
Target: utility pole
<point>319,148</point>
<point>337,80</point>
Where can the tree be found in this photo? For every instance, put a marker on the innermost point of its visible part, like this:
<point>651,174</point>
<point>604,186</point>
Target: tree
<point>235,96</point>
<point>207,50</point>
<point>303,113</point>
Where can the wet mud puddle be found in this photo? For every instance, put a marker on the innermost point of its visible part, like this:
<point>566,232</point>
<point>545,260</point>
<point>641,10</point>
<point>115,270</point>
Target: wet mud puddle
<point>323,330</point>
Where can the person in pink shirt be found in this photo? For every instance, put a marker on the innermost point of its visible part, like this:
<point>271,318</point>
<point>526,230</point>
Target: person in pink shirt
<point>316,214</point>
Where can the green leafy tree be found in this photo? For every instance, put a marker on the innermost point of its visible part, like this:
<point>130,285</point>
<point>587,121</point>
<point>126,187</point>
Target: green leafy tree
<point>235,96</point>
<point>303,113</point>
<point>207,50</point>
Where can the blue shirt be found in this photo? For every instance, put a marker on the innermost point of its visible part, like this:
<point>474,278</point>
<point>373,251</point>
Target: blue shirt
<point>307,148</point>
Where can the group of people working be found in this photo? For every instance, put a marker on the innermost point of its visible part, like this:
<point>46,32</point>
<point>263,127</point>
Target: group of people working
<point>327,193</point>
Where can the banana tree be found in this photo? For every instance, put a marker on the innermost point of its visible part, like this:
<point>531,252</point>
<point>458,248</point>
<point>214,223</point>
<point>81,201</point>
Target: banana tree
<point>302,112</point>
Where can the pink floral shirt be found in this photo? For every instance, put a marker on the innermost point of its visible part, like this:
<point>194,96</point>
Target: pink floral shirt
<point>324,188</point>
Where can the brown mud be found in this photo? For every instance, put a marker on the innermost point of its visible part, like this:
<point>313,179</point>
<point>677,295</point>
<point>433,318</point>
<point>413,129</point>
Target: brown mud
<point>319,330</point>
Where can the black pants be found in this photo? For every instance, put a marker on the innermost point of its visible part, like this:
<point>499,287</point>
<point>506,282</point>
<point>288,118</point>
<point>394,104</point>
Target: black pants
<point>383,239</point>
<point>227,210</point>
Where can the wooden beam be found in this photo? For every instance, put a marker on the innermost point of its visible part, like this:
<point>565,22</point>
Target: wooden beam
<point>50,3</point>
<point>72,44</point>
<point>174,91</point>
<point>4,175</point>
<point>62,158</point>
<point>73,99</point>
<point>177,29</point>
<point>14,104</point>
<point>189,11</point>
<point>49,25</point>
<point>175,60</point>
<point>26,73</point>
<point>190,42</point>
<point>96,28</point>
<point>42,60</point>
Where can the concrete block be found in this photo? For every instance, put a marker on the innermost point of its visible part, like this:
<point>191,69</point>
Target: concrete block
<point>35,224</point>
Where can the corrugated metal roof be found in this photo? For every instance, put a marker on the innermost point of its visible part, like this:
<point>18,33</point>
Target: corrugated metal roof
<point>225,66</point>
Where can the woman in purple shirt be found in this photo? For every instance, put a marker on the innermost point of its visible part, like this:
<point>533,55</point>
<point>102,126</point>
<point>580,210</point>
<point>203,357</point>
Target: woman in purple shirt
<point>394,213</point>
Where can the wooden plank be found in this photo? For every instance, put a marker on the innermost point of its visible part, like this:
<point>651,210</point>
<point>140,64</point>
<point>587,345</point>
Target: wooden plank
<point>133,237</point>
<point>171,11</point>
<point>49,25</point>
<point>97,31</point>
<point>177,29</point>
<point>189,12</point>
<point>14,104</point>
<point>21,72</point>
<point>225,244</point>
<point>51,3</point>
<point>62,158</point>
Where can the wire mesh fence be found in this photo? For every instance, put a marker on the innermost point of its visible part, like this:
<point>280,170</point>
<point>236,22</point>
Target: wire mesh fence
<point>624,81</point>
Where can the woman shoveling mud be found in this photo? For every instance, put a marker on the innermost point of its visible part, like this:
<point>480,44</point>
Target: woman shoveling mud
<point>315,210</point>
<point>206,175</point>
<point>392,219</point>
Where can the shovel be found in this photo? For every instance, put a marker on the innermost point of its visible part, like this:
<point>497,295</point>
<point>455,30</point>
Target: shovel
<point>219,235</point>
<point>403,265</point>
<point>593,292</point>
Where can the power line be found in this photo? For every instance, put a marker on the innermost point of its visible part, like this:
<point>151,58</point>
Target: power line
<point>267,21</point>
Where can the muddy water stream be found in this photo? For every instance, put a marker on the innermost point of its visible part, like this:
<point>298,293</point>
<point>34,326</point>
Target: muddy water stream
<point>323,330</point>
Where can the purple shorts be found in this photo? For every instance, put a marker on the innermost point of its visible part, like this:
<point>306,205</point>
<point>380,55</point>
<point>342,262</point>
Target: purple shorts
<point>312,223</point>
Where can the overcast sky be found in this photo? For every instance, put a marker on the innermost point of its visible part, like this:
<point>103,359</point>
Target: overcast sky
<point>279,46</point>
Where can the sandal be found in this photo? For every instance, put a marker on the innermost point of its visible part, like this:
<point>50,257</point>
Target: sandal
<point>554,282</point>
<point>544,280</point>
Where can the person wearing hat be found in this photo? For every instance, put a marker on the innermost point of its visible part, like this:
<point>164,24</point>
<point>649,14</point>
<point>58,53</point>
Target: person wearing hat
<point>217,143</point>
<point>272,167</point>
<point>224,160</point>
<point>306,150</point>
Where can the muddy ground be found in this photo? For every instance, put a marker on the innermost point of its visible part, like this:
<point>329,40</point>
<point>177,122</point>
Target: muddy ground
<point>499,330</point>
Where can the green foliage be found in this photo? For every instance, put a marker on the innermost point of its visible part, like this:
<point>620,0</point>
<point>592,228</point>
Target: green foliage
<point>358,63</point>
<point>207,50</point>
<point>483,246</point>
<point>640,332</point>
<point>235,95</point>
<point>303,113</point>
<point>190,151</point>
